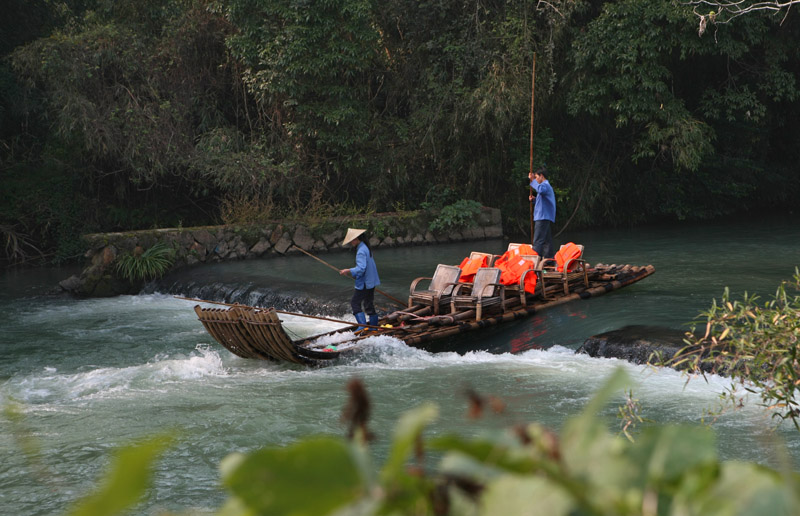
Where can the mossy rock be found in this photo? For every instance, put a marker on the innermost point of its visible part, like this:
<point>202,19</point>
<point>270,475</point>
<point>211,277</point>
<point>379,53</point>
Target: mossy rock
<point>250,235</point>
<point>320,229</point>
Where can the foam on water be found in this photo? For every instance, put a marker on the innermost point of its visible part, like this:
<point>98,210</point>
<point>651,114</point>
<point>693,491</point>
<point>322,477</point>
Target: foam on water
<point>49,386</point>
<point>556,366</point>
<point>669,391</point>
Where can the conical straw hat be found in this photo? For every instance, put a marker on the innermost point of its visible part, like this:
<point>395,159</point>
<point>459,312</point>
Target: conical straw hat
<point>352,234</point>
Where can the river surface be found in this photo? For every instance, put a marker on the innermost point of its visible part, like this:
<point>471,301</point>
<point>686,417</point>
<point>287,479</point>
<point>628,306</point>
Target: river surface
<point>92,375</point>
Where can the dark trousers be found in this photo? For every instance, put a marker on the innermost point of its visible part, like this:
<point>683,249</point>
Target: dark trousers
<point>365,297</point>
<point>543,238</point>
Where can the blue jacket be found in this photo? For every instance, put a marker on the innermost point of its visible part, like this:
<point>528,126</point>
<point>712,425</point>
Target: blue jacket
<point>545,207</point>
<point>365,272</point>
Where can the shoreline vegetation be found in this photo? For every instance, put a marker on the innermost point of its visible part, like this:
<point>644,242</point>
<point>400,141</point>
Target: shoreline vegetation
<point>121,262</point>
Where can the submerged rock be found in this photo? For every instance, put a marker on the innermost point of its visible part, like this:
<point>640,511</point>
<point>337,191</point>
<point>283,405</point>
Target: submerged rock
<point>639,344</point>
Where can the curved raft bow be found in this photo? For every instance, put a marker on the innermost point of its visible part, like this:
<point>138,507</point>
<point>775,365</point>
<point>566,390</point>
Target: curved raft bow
<point>252,332</point>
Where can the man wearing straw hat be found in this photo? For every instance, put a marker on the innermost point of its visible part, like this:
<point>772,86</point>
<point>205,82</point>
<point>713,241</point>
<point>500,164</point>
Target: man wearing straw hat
<point>365,274</point>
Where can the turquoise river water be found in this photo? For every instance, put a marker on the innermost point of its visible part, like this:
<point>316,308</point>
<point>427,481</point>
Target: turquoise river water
<point>92,375</point>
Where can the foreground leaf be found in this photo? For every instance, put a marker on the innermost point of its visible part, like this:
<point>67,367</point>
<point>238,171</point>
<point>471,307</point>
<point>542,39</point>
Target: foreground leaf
<point>127,481</point>
<point>408,430</point>
<point>310,478</point>
<point>516,496</point>
<point>745,489</point>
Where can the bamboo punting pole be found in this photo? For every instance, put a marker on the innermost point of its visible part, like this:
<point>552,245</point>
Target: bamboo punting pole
<point>340,321</point>
<point>410,312</point>
<point>379,291</point>
<point>219,303</point>
<point>530,170</point>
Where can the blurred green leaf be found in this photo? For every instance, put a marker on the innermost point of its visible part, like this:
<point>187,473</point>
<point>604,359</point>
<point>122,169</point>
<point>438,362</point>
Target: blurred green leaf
<point>666,453</point>
<point>498,453</point>
<point>406,434</point>
<point>749,490</point>
<point>312,477</point>
<point>129,478</point>
<point>517,496</point>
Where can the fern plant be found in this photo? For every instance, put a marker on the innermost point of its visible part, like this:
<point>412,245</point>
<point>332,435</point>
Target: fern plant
<point>151,264</point>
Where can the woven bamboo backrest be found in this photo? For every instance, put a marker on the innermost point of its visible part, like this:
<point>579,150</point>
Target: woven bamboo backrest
<point>485,276</point>
<point>580,248</point>
<point>478,254</point>
<point>536,261</point>
<point>528,250</point>
<point>444,274</point>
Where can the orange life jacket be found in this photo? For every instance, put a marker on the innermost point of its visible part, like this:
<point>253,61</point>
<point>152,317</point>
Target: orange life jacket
<point>522,250</point>
<point>469,266</point>
<point>512,270</point>
<point>567,252</point>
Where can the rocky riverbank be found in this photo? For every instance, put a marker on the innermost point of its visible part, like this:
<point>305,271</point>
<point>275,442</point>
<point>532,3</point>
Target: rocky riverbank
<point>209,244</point>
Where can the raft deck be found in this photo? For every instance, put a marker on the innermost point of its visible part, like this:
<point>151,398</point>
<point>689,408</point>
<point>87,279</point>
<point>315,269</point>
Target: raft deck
<point>252,332</point>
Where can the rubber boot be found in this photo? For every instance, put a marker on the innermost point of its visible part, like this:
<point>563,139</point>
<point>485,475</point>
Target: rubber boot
<point>361,318</point>
<point>373,321</point>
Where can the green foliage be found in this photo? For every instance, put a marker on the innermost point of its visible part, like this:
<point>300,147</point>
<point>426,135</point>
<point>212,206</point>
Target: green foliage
<point>150,264</point>
<point>166,111</point>
<point>459,215</point>
<point>439,197</point>
<point>127,480</point>
<point>311,62</point>
<point>17,247</point>
<point>756,345</point>
<point>324,464</point>
<point>630,416</point>
<point>626,73</point>
<point>652,95</point>
<point>44,206</point>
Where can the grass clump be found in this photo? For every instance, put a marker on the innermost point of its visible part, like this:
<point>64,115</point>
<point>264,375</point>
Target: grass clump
<point>146,265</point>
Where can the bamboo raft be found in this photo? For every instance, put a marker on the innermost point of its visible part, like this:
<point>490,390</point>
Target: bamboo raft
<point>252,332</point>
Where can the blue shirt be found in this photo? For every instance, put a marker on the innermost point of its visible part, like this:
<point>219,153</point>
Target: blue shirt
<point>365,272</point>
<point>545,207</point>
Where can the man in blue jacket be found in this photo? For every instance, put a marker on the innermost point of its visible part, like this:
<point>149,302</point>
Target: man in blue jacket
<point>365,274</point>
<point>544,213</point>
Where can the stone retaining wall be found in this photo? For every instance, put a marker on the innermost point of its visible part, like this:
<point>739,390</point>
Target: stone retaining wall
<point>221,243</point>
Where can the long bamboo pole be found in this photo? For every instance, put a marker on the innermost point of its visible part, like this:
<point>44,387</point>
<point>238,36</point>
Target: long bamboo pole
<point>323,262</point>
<point>530,171</point>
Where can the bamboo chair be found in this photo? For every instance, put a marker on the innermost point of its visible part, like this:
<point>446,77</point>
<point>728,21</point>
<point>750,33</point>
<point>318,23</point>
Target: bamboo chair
<point>518,289</point>
<point>490,258</point>
<point>485,292</point>
<point>438,293</point>
<point>568,273</point>
<point>513,245</point>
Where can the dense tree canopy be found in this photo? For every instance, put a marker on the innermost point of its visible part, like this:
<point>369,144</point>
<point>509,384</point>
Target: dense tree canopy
<point>120,115</point>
